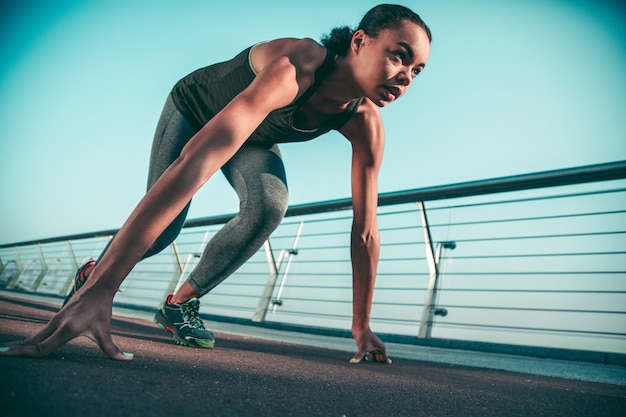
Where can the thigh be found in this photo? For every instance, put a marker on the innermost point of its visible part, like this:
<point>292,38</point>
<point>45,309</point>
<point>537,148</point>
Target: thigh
<point>258,173</point>
<point>172,133</point>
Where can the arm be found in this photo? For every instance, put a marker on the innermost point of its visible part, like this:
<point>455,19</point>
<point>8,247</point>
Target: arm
<point>203,155</point>
<point>285,69</point>
<point>366,134</point>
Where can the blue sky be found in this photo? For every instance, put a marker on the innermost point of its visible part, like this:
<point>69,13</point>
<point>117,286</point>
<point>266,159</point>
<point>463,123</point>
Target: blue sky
<point>511,87</point>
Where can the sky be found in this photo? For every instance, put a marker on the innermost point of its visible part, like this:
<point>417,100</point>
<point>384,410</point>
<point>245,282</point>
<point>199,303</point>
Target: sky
<point>511,87</point>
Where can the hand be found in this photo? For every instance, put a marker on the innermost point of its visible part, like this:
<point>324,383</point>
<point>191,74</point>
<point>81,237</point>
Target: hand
<point>88,313</point>
<point>370,348</point>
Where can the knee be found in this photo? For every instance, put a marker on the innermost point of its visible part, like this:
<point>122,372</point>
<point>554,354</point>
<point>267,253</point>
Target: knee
<point>276,214</point>
<point>271,205</point>
<point>274,208</point>
<point>163,241</point>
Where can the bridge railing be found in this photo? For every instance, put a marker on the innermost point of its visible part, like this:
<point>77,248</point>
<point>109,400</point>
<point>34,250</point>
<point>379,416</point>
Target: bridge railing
<point>530,260</point>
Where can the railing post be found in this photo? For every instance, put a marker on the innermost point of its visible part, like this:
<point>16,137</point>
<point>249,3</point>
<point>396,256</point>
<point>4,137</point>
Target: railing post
<point>266,297</point>
<point>264,301</point>
<point>180,267</point>
<point>428,311</point>
<point>433,256</point>
<point>294,251</point>
<point>20,269</point>
<point>44,269</point>
<point>178,272</point>
<point>70,278</point>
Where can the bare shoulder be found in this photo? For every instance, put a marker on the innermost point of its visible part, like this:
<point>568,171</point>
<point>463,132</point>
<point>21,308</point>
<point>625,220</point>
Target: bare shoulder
<point>305,54</point>
<point>285,68</point>
<point>365,127</point>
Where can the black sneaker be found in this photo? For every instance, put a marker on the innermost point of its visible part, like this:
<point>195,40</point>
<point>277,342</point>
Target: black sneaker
<point>79,280</point>
<point>184,322</point>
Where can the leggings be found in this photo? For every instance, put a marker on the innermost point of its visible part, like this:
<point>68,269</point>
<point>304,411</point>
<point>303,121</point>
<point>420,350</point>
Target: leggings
<point>257,174</point>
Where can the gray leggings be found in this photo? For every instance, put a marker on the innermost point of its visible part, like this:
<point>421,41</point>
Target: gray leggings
<point>256,173</point>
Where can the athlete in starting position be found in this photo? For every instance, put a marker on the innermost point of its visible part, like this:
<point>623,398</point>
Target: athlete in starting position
<point>230,117</point>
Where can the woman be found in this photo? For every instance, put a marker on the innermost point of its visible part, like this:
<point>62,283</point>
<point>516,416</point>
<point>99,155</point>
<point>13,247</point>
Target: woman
<point>230,116</point>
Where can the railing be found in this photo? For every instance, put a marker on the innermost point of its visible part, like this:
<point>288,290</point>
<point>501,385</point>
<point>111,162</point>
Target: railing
<point>532,260</point>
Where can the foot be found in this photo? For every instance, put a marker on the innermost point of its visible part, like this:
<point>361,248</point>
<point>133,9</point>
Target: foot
<point>184,322</point>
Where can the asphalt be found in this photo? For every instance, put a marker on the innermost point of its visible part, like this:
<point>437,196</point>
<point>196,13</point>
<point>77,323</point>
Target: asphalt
<point>263,372</point>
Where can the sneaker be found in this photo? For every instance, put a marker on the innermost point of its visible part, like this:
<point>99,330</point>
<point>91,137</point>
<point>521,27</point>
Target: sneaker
<point>184,322</point>
<point>79,280</point>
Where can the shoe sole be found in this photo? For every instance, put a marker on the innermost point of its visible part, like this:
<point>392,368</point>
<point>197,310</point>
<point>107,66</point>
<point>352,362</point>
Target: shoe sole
<point>164,324</point>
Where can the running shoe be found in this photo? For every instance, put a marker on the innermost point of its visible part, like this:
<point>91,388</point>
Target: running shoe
<point>184,322</point>
<point>79,280</point>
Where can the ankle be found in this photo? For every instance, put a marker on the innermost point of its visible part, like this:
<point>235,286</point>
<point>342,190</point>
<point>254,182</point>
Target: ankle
<point>184,294</point>
<point>174,298</point>
<point>171,299</point>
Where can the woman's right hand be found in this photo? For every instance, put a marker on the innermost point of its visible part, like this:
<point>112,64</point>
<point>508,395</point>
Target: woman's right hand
<point>88,313</point>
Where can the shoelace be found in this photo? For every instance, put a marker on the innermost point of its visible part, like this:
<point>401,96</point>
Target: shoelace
<point>191,314</point>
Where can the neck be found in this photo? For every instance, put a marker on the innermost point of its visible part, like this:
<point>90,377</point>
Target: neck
<point>339,88</point>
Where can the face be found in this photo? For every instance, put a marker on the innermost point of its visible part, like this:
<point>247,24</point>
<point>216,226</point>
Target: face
<point>385,66</point>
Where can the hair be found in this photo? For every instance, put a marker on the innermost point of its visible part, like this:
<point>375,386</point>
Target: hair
<point>383,16</point>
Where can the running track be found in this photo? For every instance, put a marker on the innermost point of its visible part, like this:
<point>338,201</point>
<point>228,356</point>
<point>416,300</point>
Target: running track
<point>254,376</point>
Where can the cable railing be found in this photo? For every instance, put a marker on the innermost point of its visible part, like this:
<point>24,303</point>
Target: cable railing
<point>534,260</point>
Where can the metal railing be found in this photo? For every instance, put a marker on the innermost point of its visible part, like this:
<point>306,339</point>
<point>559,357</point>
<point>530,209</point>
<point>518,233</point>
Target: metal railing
<point>530,260</point>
